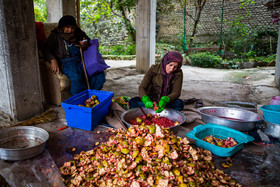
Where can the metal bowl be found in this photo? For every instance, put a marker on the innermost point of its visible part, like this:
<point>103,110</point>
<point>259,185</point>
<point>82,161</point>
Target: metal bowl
<point>20,143</point>
<point>171,114</point>
<point>241,105</point>
<point>272,129</point>
<point>238,119</point>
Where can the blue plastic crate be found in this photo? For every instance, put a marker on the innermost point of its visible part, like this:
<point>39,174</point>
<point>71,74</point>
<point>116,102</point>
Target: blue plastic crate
<point>201,131</point>
<point>271,113</point>
<point>83,117</point>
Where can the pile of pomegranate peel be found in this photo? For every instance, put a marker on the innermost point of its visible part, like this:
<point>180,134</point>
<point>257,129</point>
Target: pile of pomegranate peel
<point>90,102</point>
<point>226,143</point>
<point>144,156</point>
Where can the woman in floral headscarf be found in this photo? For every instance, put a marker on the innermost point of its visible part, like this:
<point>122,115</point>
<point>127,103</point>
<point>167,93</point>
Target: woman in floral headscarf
<point>162,84</point>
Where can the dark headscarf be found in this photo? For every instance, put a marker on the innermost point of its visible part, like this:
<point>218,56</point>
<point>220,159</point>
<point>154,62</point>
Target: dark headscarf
<point>67,21</point>
<point>172,56</point>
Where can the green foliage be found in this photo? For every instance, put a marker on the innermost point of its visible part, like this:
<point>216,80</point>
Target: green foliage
<point>245,3</point>
<point>92,11</point>
<point>40,10</point>
<point>247,42</point>
<point>248,55</point>
<point>238,37</point>
<point>264,41</point>
<point>103,17</point>
<point>118,50</point>
<point>243,40</point>
<point>95,13</point>
<point>162,48</point>
<point>266,59</point>
<point>212,60</point>
<point>112,50</point>
<point>206,60</point>
<point>130,50</point>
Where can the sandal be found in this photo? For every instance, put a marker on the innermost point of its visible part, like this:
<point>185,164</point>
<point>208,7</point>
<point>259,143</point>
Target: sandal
<point>198,103</point>
<point>190,101</point>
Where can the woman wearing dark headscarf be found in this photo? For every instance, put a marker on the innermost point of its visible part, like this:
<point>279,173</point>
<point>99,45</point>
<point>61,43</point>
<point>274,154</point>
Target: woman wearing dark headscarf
<point>162,84</point>
<point>64,54</point>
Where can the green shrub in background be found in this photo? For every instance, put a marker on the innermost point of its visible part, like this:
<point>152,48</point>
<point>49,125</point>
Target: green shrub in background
<point>40,10</point>
<point>163,48</point>
<point>206,60</point>
<point>118,50</point>
<point>241,39</point>
<point>237,37</point>
<point>130,50</point>
<point>264,41</point>
<point>267,59</point>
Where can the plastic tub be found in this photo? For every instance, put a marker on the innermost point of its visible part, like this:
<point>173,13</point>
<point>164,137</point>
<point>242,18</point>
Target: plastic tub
<point>275,100</point>
<point>83,117</point>
<point>271,113</point>
<point>201,131</point>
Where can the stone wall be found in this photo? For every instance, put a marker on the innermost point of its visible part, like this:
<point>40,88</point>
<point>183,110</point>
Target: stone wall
<point>172,24</point>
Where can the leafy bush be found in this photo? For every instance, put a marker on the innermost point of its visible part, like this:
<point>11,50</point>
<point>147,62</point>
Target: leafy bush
<point>238,38</point>
<point>264,41</point>
<point>118,50</point>
<point>162,48</point>
<point>130,50</point>
<point>40,10</point>
<point>206,60</point>
<point>242,39</point>
<point>266,59</point>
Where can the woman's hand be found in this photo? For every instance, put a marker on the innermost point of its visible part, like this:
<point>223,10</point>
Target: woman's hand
<point>161,104</point>
<point>147,101</point>
<point>84,42</point>
<point>54,66</point>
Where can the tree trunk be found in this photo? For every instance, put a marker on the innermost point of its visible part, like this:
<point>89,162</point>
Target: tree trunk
<point>197,19</point>
<point>131,30</point>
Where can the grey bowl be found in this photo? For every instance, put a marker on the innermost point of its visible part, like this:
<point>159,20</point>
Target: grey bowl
<point>272,129</point>
<point>171,114</point>
<point>238,119</point>
<point>23,142</point>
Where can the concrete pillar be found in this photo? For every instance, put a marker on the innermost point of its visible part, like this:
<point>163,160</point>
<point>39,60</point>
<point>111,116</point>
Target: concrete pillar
<point>58,8</point>
<point>277,66</point>
<point>145,34</point>
<point>20,88</point>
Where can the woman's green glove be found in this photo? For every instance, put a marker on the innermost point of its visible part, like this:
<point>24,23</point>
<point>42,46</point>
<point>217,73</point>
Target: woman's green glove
<point>147,101</point>
<point>161,104</point>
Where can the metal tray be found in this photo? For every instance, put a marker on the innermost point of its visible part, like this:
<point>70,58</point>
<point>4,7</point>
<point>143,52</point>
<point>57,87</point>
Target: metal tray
<point>20,143</point>
<point>238,119</point>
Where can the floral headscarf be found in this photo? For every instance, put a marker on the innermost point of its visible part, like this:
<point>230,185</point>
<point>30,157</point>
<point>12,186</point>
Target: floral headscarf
<point>172,56</point>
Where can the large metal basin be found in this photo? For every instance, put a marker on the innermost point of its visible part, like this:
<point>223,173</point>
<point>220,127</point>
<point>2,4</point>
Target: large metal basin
<point>171,114</point>
<point>20,143</point>
<point>238,119</point>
